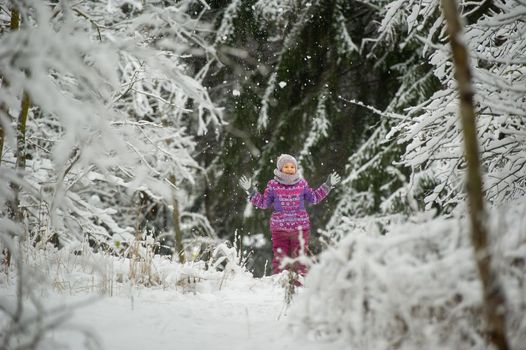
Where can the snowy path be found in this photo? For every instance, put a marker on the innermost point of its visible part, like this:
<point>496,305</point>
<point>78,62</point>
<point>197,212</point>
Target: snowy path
<point>246,316</point>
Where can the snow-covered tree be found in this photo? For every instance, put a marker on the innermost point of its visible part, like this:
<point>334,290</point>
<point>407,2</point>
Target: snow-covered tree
<point>411,43</point>
<point>416,286</point>
<point>107,98</point>
<point>494,36</point>
<point>394,293</point>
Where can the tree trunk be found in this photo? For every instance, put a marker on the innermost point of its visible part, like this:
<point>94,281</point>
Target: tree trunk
<point>14,25</point>
<point>12,206</point>
<point>21,132</point>
<point>179,248</point>
<point>21,155</point>
<point>3,111</point>
<point>21,152</point>
<point>494,300</point>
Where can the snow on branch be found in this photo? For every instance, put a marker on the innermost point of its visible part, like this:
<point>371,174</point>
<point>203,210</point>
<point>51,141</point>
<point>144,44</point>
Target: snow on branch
<point>227,22</point>
<point>496,39</point>
<point>111,104</point>
<point>289,41</point>
<point>319,129</point>
<point>411,287</point>
<point>347,46</point>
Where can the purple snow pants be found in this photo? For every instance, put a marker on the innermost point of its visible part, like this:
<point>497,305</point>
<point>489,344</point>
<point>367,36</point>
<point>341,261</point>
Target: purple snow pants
<point>288,244</point>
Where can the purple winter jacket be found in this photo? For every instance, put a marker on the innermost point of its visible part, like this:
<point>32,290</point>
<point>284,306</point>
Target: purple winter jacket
<point>288,203</point>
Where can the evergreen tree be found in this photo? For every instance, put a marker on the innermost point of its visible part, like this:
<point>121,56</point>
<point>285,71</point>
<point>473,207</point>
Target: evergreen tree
<point>434,142</point>
<point>288,87</point>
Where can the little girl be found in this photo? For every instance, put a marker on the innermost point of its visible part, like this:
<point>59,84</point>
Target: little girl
<point>287,194</point>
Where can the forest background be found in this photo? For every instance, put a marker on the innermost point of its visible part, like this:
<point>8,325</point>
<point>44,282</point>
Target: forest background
<point>134,120</point>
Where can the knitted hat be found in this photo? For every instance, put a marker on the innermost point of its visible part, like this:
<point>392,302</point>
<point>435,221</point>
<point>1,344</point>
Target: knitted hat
<point>286,158</point>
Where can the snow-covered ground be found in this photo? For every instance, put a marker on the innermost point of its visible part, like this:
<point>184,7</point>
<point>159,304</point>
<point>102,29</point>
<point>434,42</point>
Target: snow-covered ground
<point>415,287</point>
<point>242,316</point>
<point>192,306</point>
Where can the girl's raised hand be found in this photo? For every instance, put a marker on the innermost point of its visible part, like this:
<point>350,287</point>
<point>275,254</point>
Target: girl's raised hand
<point>333,179</point>
<point>245,184</point>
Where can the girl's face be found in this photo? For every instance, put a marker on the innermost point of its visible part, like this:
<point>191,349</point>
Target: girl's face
<point>289,168</point>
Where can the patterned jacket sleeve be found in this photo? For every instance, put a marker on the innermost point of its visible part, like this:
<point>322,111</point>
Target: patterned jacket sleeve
<point>317,195</point>
<point>265,200</point>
